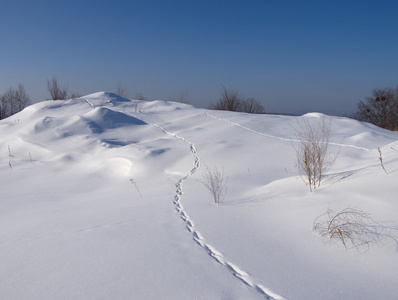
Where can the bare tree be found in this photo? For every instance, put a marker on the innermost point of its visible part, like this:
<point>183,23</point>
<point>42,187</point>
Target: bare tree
<point>121,90</point>
<point>13,101</point>
<point>313,158</point>
<point>57,92</point>
<point>22,99</point>
<point>252,106</point>
<point>9,103</point>
<point>1,109</point>
<point>4,105</point>
<point>381,109</point>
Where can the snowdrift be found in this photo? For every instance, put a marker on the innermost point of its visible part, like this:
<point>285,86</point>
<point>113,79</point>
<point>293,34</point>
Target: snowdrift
<point>102,199</point>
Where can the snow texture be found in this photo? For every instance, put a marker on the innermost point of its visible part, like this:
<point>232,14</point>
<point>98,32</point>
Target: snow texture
<point>101,199</point>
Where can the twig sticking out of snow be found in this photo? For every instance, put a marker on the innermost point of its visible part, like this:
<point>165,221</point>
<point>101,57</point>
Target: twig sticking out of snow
<point>9,157</point>
<point>381,160</point>
<point>135,184</point>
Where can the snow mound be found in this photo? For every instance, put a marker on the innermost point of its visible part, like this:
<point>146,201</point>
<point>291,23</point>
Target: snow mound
<point>106,118</point>
<point>107,96</point>
<point>96,206</point>
<point>314,115</point>
<point>116,166</point>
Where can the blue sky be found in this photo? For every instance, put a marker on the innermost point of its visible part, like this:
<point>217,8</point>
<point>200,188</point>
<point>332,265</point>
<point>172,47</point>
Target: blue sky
<point>293,56</point>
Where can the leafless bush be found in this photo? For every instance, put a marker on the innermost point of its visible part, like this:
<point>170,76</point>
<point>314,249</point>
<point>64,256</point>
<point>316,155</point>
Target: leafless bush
<point>313,158</point>
<point>183,97</point>
<point>140,96</point>
<point>121,90</point>
<point>75,95</point>
<point>252,106</point>
<point>231,100</point>
<point>214,181</point>
<point>352,227</point>
<point>57,92</point>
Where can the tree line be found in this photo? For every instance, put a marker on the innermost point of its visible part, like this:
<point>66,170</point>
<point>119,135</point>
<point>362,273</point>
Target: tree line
<point>380,109</point>
<point>13,101</point>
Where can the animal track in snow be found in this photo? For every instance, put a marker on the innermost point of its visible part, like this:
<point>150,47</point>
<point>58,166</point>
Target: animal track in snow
<point>281,138</point>
<point>197,237</point>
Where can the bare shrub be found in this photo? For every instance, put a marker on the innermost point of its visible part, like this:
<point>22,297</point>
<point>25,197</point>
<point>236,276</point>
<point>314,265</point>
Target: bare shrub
<point>313,158</point>
<point>140,96</point>
<point>352,227</point>
<point>75,95</point>
<point>230,100</point>
<point>121,90</point>
<point>214,181</point>
<point>57,92</point>
<point>183,97</point>
<point>252,106</point>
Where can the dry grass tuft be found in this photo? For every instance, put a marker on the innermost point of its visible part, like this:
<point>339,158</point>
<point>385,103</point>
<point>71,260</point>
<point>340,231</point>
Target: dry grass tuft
<point>353,227</point>
<point>214,181</point>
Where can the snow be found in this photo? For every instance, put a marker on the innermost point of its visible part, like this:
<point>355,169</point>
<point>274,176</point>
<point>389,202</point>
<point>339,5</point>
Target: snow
<point>101,199</point>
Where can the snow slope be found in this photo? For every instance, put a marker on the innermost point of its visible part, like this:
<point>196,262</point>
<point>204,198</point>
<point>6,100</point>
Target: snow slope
<point>101,199</point>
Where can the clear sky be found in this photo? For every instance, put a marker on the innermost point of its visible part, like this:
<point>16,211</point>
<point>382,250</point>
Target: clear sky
<point>293,56</point>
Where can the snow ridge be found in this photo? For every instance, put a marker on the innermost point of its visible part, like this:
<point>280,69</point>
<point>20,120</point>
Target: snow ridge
<point>197,237</point>
<point>280,138</point>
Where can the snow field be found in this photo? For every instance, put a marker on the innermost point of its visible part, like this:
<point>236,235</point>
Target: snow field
<point>103,201</point>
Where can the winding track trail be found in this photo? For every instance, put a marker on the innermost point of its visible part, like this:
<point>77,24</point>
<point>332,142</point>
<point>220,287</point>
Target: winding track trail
<point>197,236</point>
<point>280,138</point>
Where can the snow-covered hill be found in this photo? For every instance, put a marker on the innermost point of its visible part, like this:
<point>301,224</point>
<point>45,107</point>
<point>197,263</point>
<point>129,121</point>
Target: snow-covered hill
<point>101,199</point>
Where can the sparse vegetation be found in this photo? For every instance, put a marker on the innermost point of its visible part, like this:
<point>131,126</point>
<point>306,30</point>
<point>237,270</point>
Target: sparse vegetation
<point>10,156</point>
<point>381,160</point>
<point>57,92</point>
<point>214,181</point>
<point>313,158</point>
<point>252,106</point>
<point>183,97</point>
<point>121,90</point>
<point>231,100</point>
<point>140,96</point>
<point>75,95</point>
<point>352,227</point>
<point>135,184</point>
